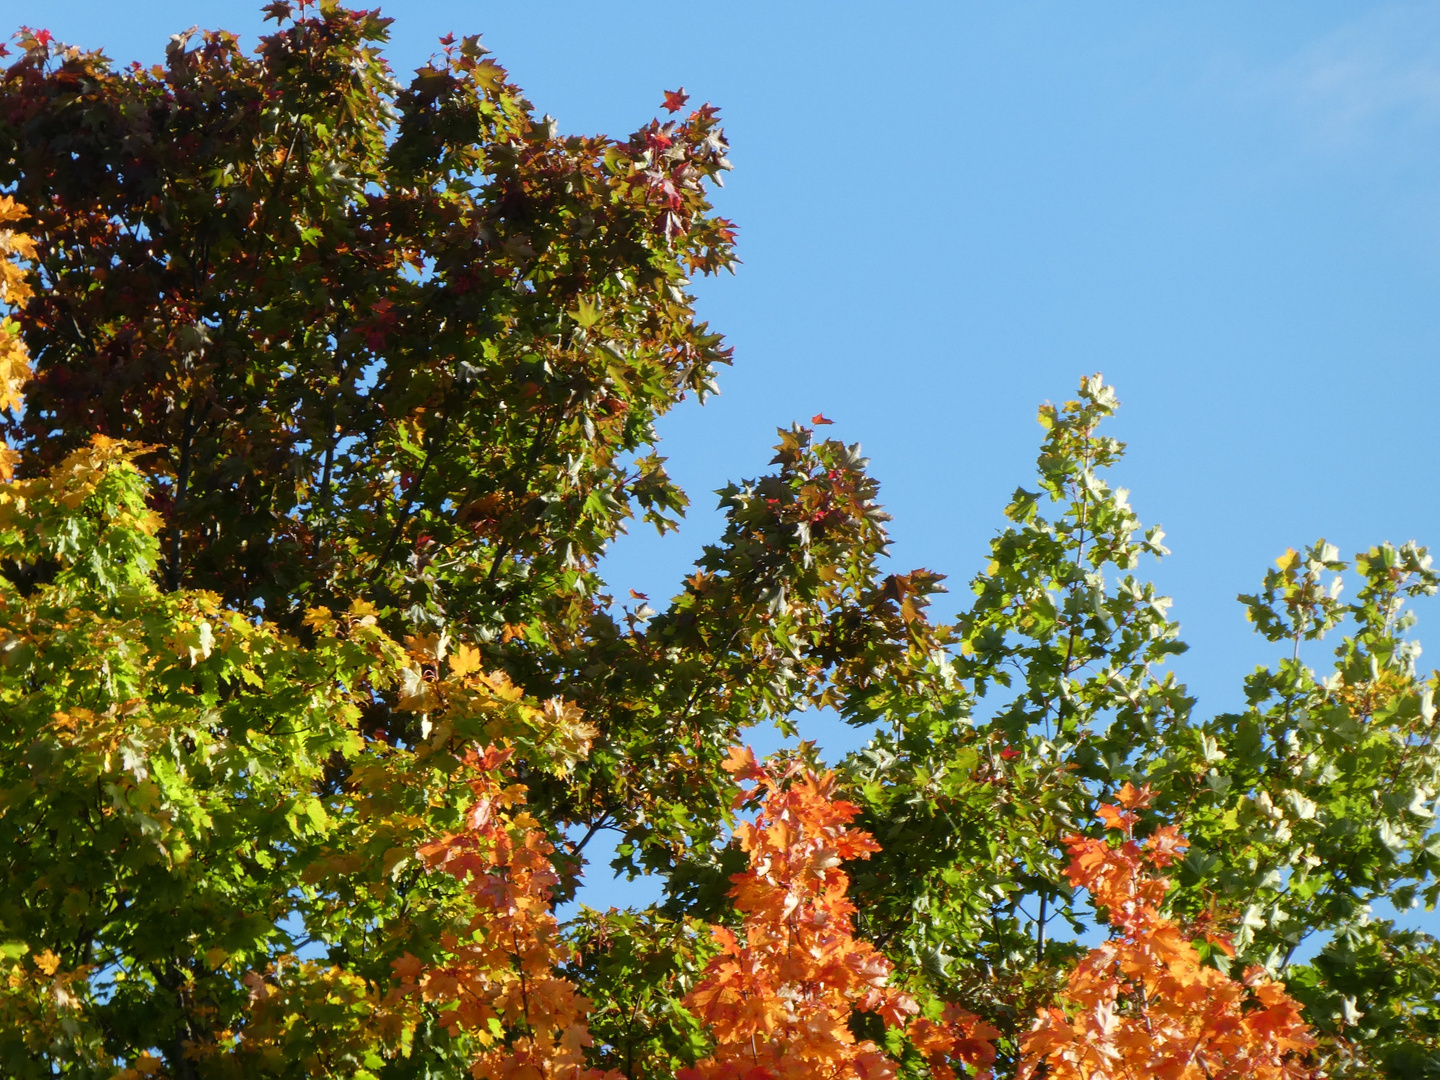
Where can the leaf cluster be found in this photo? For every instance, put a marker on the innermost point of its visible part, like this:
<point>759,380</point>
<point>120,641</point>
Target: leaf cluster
<point>323,393</point>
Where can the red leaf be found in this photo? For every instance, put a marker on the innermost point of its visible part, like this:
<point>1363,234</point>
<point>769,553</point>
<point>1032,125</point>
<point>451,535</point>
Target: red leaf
<point>819,418</point>
<point>43,37</point>
<point>675,100</point>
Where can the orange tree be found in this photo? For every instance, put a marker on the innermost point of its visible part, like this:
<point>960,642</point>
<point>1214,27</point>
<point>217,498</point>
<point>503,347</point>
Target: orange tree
<point>322,394</point>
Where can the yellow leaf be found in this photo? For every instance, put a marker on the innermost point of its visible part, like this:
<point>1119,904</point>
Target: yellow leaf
<point>14,288</point>
<point>195,642</point>
<point>464,660</point>
<point>427,648</point>
<point>415,692</point>
<point>1288,560</point>
<point>500,685</point>
<point>47,962</point>
<point>14,362</point>
<point>570,735</point>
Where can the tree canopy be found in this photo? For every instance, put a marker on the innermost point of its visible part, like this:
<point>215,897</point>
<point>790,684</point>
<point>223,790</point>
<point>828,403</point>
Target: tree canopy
<point>323,393</point>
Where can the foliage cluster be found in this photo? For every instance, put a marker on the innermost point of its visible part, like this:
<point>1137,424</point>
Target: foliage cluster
<point>1144,1003</point>
<point>323,394</point>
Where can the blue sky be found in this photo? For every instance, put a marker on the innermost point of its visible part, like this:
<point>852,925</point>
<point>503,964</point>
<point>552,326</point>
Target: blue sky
<point>950,212</point>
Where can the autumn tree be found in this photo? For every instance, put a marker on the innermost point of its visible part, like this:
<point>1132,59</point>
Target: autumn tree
<point>1143,1004</point>
<point>323,393</point>
<point>781,1001</point>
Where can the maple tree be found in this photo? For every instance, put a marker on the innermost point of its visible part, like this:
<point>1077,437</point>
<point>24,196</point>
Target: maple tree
<point>779,1004</point>
<point>323,394</point>
<point>1144,1005</point>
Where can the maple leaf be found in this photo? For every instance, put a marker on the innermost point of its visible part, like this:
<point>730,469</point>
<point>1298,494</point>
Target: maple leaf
<point>1133,798</point>
<point>464,660</point>
<point>1165,845</point>
<point>569,735</point>
<point>427,648</point>
<point>675,100</point>
<point>47,962</point>
<point>740,763</point>
<point>819,418</point>
<point>8,460</point>
<point>1115,818</point>
<point>408,967</point>
<point>15,370</point>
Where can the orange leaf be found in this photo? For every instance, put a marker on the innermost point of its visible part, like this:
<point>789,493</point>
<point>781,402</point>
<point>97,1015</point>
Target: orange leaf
<point>1133,798</point>
<point>408,967</point>
<point>1115,818</point>
<point>740,763</point>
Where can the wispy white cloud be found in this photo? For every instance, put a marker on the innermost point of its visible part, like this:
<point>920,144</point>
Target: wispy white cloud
<point>1372,79</point>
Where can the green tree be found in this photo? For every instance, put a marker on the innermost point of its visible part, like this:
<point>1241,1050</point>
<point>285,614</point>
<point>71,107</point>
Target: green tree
<point>335,389</point>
